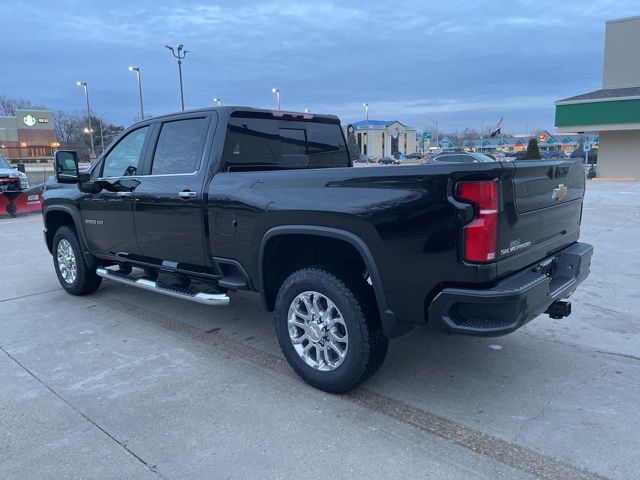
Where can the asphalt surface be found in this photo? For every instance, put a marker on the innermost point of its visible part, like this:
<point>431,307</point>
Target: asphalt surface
<point>130,384</point>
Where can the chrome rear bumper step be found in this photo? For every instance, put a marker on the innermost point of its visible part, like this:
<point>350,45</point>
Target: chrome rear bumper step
<point>177,292</point>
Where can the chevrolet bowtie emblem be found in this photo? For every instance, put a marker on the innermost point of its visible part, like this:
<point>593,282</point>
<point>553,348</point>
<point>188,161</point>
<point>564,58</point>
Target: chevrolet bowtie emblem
<point>559,192</point>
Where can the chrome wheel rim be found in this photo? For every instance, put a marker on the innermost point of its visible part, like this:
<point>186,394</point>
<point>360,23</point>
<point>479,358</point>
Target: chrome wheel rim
<point>66,261</point>
<point>318,331</point>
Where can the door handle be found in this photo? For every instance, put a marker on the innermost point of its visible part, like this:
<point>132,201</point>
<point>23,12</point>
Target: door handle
<point>186,194</point>
<point>124,194</point>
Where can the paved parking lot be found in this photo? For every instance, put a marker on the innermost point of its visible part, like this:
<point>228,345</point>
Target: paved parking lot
<point>129,384</point>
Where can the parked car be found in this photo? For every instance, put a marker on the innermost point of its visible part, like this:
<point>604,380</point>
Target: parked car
<point>413,156</point>
<point>462,157</point>
<point>389,161</point>
<point>551,154</point>
<point>199,204</point>
<point>592,157</point>
<point>11,180</point>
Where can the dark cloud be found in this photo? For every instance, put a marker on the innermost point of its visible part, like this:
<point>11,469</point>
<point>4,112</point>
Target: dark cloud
<point>463,63</point>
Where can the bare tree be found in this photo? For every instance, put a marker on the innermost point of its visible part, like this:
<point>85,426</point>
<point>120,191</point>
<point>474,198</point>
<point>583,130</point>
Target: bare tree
<point>8,106</point>
<point>68,126</point>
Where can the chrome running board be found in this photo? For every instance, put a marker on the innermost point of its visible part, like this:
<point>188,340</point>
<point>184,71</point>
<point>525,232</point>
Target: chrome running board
<point>177,292</point>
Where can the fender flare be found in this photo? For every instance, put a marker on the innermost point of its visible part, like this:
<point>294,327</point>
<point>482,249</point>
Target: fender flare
<point>88,256</point>
<point>390,325</point>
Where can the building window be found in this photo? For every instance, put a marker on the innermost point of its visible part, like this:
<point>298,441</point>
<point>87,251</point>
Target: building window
<point>39,152</point>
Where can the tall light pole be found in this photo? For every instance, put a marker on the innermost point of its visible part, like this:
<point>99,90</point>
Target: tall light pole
<point>435,122</point>
<point>101,136</point>
<point>277,92</point>
<point>86,96</point>
<point>218,101</point>
<point>179,54</point>
<point>137,70</point>
<point>366,135</point>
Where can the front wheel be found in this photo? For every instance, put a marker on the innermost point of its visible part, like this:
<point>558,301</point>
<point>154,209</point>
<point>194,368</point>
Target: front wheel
<point>72,270</point>
<point>328,328</point>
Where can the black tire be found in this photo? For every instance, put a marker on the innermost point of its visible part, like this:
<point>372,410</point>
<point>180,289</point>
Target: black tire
<point>355,300</point>
<point>86,281</point>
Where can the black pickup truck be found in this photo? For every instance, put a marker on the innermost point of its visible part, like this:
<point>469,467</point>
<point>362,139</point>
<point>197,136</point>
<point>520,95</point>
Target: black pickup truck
<point>203,203</point>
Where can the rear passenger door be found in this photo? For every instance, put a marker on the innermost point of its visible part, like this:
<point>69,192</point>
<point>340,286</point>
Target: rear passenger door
<point>169,202</point>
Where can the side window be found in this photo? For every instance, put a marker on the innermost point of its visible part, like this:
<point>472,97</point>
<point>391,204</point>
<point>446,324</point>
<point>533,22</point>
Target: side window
<point>124,159</point>
<point>179,147</point>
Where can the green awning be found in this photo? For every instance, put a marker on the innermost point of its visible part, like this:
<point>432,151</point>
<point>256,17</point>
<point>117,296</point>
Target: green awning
<point>597,113</point>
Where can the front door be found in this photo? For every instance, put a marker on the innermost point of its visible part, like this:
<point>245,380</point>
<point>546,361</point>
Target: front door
<point>168,202</point>
<point>107,216</point>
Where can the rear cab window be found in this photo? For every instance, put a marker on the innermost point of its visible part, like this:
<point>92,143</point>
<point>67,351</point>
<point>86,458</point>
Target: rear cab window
<point>179,147</point>
<point>275,144</point>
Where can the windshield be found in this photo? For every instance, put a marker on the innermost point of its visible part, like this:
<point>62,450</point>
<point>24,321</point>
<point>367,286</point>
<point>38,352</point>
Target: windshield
<point>4,163</point>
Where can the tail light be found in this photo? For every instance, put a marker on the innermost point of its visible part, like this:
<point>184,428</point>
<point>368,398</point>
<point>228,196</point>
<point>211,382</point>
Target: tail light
<point>481,234</point>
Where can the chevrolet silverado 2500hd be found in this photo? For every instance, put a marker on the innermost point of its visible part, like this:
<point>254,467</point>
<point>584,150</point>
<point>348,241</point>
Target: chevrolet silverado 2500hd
<point>200,204</point>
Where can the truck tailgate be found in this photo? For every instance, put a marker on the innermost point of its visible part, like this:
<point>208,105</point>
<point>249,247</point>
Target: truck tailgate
<point>542,209</point>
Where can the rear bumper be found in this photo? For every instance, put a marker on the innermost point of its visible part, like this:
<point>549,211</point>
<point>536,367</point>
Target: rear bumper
<point>515,300</point>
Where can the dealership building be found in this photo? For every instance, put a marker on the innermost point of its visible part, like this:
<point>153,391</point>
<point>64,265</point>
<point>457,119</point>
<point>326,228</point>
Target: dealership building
<point>613,110</point>
<point>385,138</point>
<point>28,135</point>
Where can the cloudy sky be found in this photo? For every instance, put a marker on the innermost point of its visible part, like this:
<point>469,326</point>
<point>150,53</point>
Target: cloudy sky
<point>463,63</point>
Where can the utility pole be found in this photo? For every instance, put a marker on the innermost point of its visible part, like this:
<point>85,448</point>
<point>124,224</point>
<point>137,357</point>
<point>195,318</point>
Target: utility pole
<point>101,136</point>
<point>86,96</point>
<point>179,54</point>
<point>437,134</point>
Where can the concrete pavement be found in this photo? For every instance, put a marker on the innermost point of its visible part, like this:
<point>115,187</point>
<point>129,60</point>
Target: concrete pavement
<point>130,384</point>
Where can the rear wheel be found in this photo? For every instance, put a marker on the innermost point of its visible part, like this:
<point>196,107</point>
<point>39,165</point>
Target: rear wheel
<point>73,273</point>
<point>328,328</point>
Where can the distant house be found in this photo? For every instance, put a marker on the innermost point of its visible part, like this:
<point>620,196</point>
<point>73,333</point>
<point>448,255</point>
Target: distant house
<point>382,138</point>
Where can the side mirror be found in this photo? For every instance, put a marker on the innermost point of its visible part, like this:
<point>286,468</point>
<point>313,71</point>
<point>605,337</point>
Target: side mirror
<point>66,164</point>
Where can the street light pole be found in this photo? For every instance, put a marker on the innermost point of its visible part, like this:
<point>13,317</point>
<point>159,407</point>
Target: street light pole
<point>179,54</point>
<point>101,136</point>
<point>365,144</point>
<point>218,101</point>
<point>277,92</point>
<point>137,70</point>
<point>86,96</point>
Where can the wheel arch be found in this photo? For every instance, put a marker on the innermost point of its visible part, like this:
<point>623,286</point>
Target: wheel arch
<point>390,325</point>
<point>59,216</point>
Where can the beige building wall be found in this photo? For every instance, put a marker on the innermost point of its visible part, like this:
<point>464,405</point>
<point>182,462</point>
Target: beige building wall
<point>379,143</point>
<point>619,154</point>
<point>622,53</point>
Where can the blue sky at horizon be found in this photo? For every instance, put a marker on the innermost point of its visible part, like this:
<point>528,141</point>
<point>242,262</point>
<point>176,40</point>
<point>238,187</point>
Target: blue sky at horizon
<point>462,63</point>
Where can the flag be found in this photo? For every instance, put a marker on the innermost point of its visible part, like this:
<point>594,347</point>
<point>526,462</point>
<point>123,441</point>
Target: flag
<point>498,128</point>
